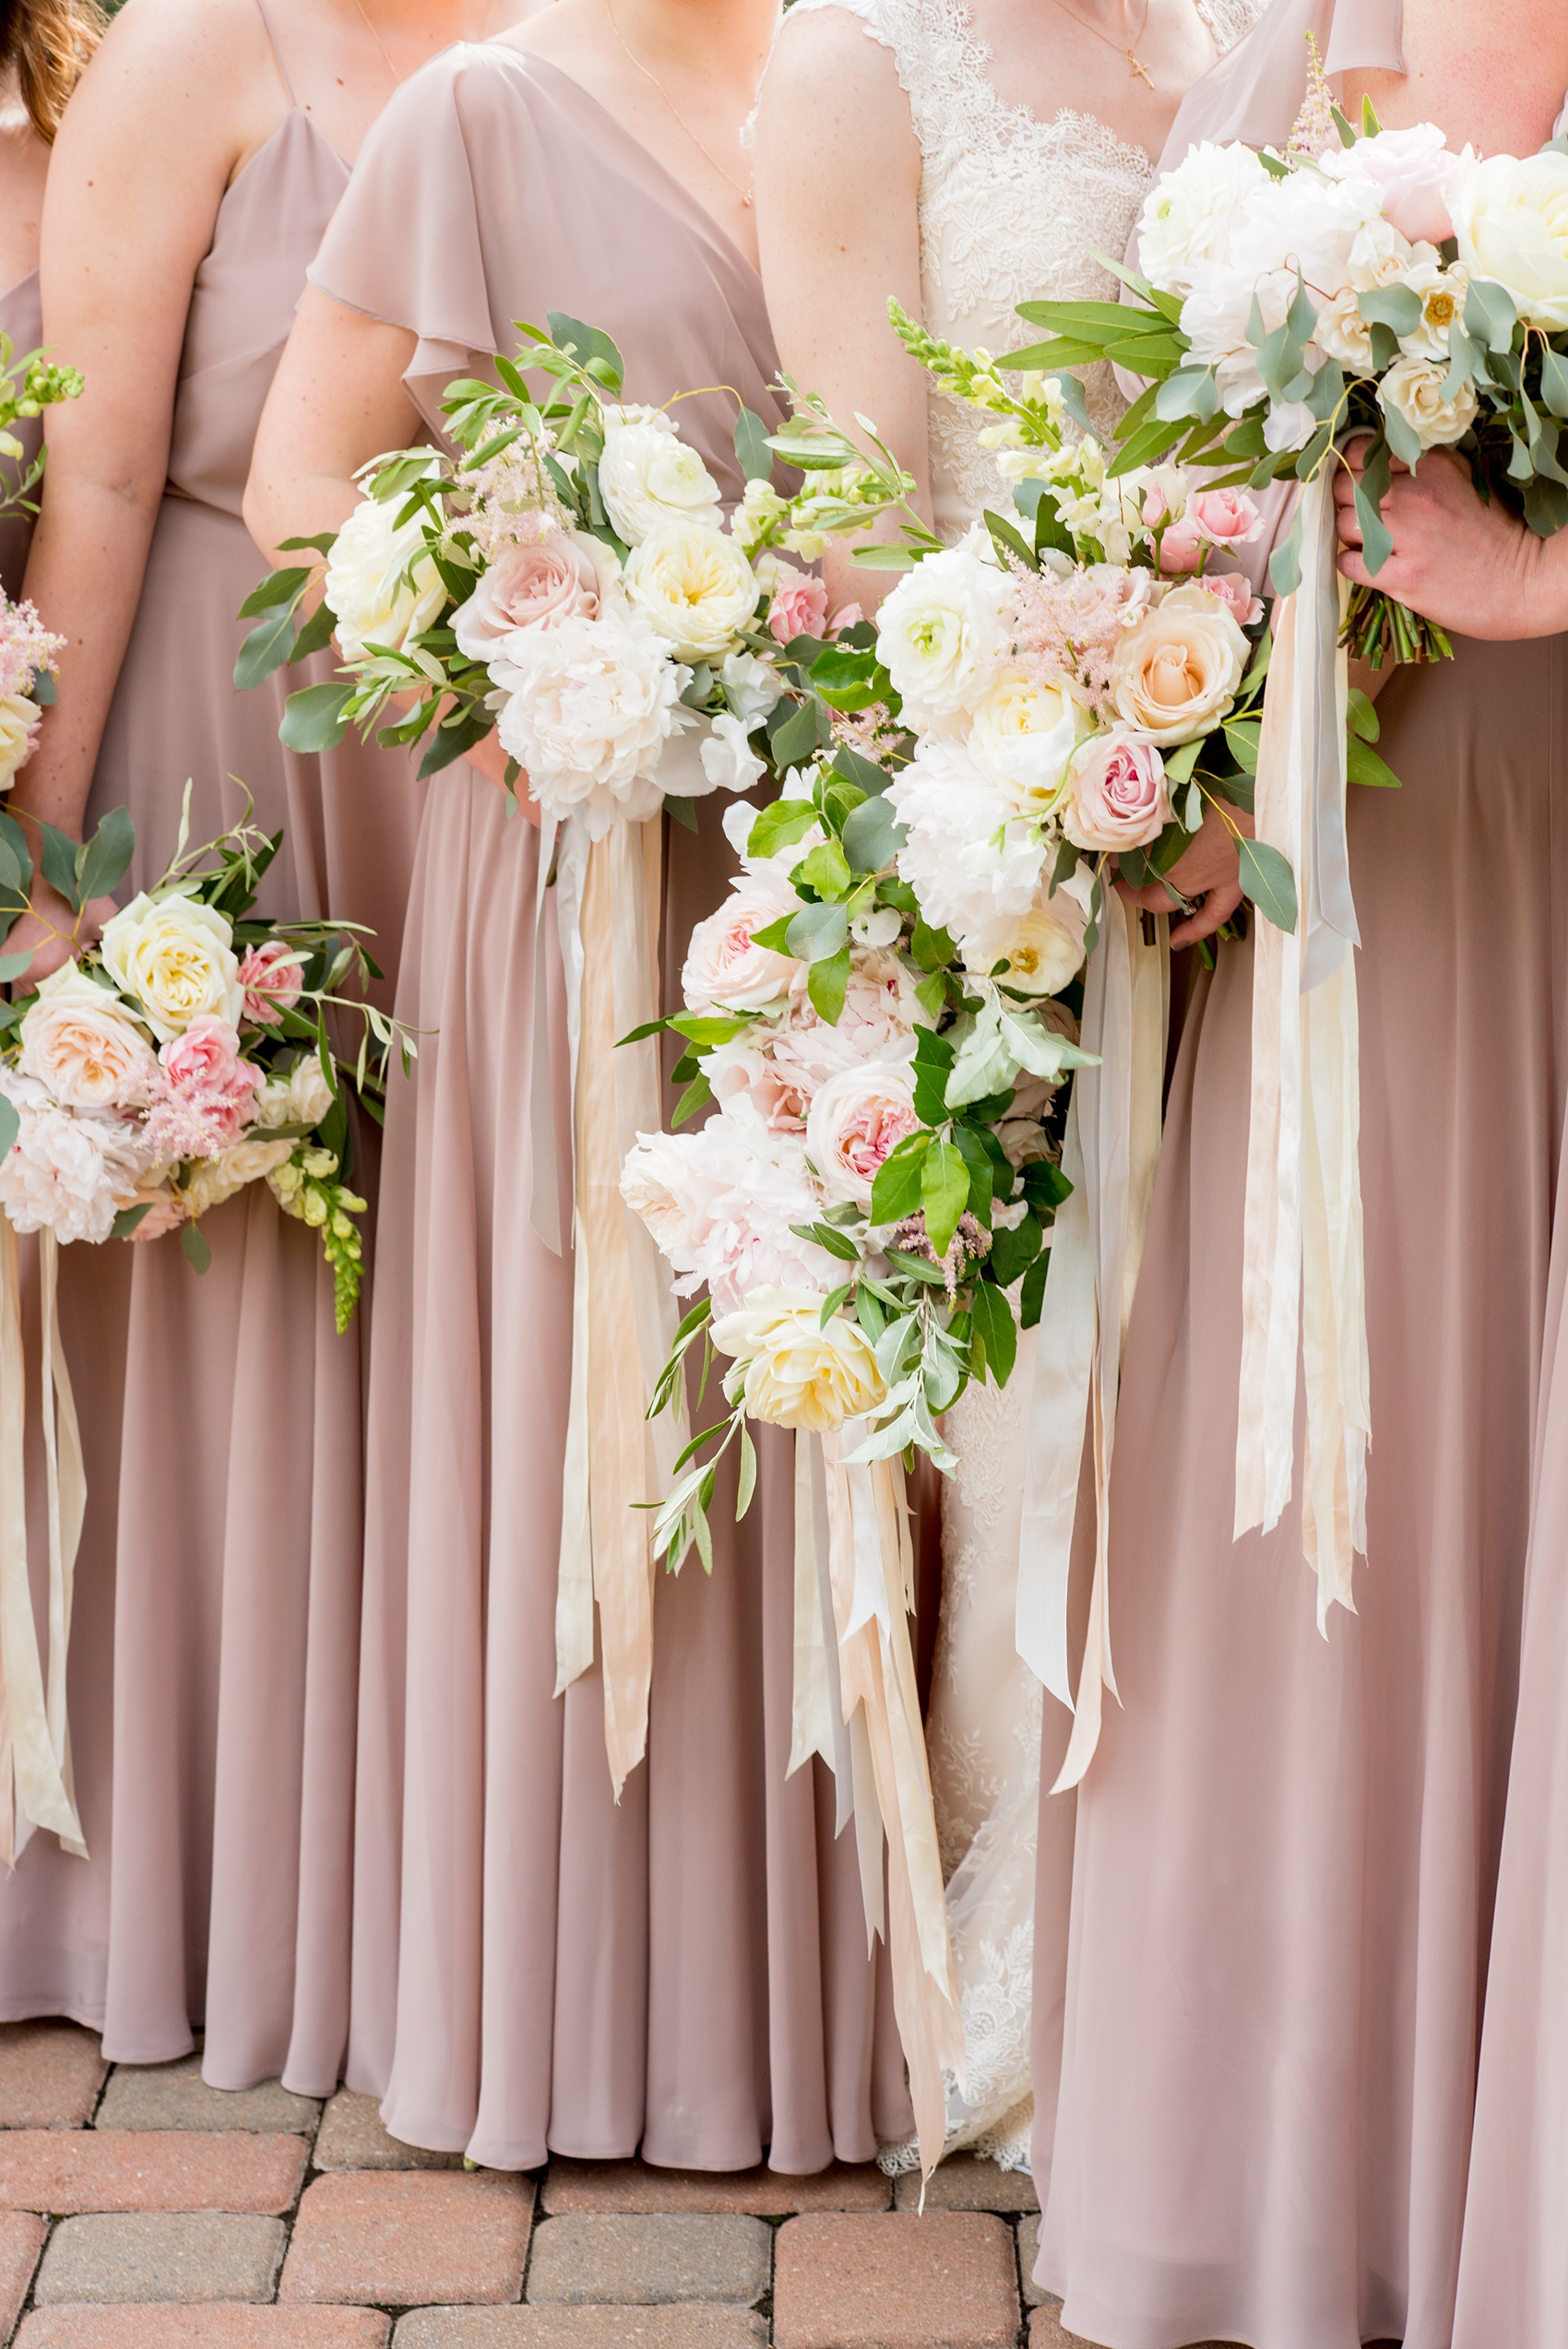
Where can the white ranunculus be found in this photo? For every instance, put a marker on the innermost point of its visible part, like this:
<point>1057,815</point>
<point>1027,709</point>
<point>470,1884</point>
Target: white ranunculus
<point>1022,737</point>
<point>80,1040</point>
<point>1511,218</point>
<point>727,759</point>
<point>724,969</point>
<point>589,706</point>
<point>695,585</point>
<point>1174,676</point>
<point>382,586</point>
<point>647,475</point>
<point>796,1372</point>
<point>20,718</point>
<point>1412,389</point>
<point>1190,214</point>
<point>855,1120</point>
<point>940,632</point>
<point>176,957</point>
<point>968,860</point>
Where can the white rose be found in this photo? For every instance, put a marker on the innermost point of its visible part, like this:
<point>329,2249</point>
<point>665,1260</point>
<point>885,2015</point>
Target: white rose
<point>218,1178</point>
<point>1190,214</point>
<point>177,958</point>
<point>647,475</point>
<point>1174,676</point>
<point>1022,737</point>
<point>382,586</point>
<point>797,1373</point>
<point>1043,950</point>
<point>20,718</point>
<point>1412,389</point>
<point>695,585</point>
<point>303,1098</point>
<point>940,630</point>
<point>724,969</point>
<point>855,1120</point>
<point>727,759</point>
<point>78,1039</point>
<point>1511,218</point>
<point>589,707</point>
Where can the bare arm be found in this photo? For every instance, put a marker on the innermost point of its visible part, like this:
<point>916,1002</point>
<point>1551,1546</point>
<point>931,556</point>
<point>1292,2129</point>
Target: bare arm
<point>837,189</point>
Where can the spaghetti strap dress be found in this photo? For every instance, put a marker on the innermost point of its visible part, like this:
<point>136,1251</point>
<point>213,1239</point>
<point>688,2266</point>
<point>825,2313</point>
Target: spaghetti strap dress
<point>214,1652</point>
<point>1287,1844</point>
<point>536,1968</point>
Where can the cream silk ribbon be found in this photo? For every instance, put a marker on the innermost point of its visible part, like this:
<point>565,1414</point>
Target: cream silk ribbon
<point>1303,1232</point>
<point>35,1741</point>
<point>1110,1153</point>
<point>624,1317</point>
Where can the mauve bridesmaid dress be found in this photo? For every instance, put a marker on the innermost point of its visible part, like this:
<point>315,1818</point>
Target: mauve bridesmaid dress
<point>214,1650</point>
<point>1287,1844</point>
<point>535,1967</point>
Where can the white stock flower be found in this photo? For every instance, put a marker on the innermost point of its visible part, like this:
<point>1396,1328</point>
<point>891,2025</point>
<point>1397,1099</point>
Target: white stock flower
<point>218,1178</point>
<point>1510,219</point>
<point>20,718</point>
<point>303,1098</point>
<point>695,585</point>
<point>1022,737</point>
<point>648,475</point>
<point>1190,214</point>
<point>940,630</point>
<point>798,1373</point>
<point>1412,390</point>
<point>969,865</point>
<point>80,1040</point>
<point>176,957</point>
<point>375,598</point>
<point>589,706</point>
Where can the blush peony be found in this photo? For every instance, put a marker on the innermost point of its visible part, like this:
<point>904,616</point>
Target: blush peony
<point>725,970</point>
<point>589,707</point>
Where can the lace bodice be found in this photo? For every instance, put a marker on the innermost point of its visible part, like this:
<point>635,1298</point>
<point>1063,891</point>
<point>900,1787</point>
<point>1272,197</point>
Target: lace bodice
<point>1010,208</point>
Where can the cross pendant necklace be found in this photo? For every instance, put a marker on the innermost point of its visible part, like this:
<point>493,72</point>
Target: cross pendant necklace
<point>1135,65</point>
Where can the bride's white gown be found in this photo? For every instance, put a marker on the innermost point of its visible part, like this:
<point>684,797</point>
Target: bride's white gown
<point>1011,207</point>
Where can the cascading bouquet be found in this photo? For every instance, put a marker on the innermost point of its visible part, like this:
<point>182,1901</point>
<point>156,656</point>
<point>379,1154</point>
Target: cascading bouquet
<point>1370,283</point>
<point>183,1055</point>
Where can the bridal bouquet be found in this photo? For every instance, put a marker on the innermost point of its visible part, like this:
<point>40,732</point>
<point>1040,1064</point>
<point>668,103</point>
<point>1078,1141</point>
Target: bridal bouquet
<point>568,580</point>
<point>1360,284</point>
<point>183,1056</point>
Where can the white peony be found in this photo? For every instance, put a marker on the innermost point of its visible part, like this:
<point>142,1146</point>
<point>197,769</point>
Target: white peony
<point>176,957</point>
<point>78,1039</point>
<point>967,863</point>
<point>20,718</point>
<point>1022,737</point>
<point>750,1186</point>
<point>382,586</point>
<point>69,1171</point>
<point>940,632</point>
<point>648,475</point>
<point>1191,215</point>
<point>1511,218</point>
<point>667,1181</point>
<point>1412,390</point>
<point>589,706</point>
<point>695,585</point>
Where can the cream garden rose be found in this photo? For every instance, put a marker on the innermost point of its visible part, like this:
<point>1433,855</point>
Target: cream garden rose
<point>177,958</point>
<point>1510,220</point>
<point>725,968</point>
<point>647,475</point>
<point>78,1039</point>
<point>218,1178</point>
<point>20,718</point>
<point>855,1121</point>
<point>797,1373</point>
<point>695,585</point>
<point>1412,390</point>
<point>377,598</point>
<point>1042,951</point>
<point>1023,736</point>
<point>1176,673</point>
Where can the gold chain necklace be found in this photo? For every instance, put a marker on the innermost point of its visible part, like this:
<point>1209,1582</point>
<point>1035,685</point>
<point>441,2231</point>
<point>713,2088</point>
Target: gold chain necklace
<point>648,75</point>
<point>1128,50</point>
<point>399,79</point>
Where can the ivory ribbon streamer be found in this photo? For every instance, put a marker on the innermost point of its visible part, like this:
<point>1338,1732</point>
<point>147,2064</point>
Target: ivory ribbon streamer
<point>35,1747</point>
<point>623,1316</point>
<point>871,1563</point>
<point>1302,1231</point>
<point>1110,1153</point>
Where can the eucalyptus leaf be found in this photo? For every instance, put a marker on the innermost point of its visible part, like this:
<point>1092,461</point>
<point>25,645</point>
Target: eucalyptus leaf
<point>816,933</point>
<point>194,1243</point>
<point>752,452</point>
<point>1267,880</point>
<point>106,860</point>
<point>872,836</point>
<point>313,719</point>
<point>10,1123</point>
<point>60,859</point>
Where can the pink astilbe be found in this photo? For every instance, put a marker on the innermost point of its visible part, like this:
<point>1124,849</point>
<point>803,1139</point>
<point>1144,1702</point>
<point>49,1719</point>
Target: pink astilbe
<point>1065,632</point>
<point>26,646</point>
<point>513,501</point>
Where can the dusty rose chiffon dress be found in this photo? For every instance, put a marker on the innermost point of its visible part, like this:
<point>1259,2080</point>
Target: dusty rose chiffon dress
<point>214,1652</point>
<point>1287,1847</point>
<point>535,1967</point>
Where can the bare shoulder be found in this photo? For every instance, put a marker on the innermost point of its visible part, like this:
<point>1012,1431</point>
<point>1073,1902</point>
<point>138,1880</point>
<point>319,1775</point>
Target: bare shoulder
<point>829,71</point>
<point>203,70</point>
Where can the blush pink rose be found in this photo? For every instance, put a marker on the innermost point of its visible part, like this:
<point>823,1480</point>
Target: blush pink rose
<point>1235,590</point>
<point>1411,167</point>
<point>1117,795</point>
<point>798,607</point>
<point>203,1069</point>
<point>725,970</point>
<point>270,976</point>
<point>1222,519</point>
<point>856,1120</point>
<point>524,588</point>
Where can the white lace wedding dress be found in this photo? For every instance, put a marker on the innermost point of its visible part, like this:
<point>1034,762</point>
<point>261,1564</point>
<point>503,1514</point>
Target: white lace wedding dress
<point>1011,209</point>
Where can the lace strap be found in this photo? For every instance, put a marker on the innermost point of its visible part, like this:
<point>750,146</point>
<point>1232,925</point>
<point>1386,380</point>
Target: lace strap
<point>1229,21</point>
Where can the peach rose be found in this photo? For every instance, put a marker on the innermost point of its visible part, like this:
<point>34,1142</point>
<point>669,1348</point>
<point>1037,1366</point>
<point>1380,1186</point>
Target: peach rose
<point>1175,674</point>
<point>78,1039</point>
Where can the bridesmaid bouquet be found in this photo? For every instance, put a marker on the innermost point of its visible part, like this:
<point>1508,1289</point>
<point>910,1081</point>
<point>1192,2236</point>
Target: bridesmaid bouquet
<point>28,657</point>
<point>1362,283</point>
<point>183,1056</point>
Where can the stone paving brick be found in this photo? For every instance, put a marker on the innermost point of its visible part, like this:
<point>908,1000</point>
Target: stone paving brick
<point>134,2170</point>
<point>946,2280</point>
<point>643,2260</point>
<point>962,2183</point>
<point>1047,2332</point>
<point>152,2256</point>
<point>175,2096</point>
<point>1028,2252</point>
<point>21,2240</point>
<point>621,2327</point>
<point>403,2240</point>
<point>351,2137</point>
<point>224,2327</point>
<point>50,2075</point>
<point>571,2185</point>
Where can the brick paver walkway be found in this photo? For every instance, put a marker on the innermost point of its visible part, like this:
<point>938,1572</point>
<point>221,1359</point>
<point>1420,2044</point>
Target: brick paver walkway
<point>140,2208</point>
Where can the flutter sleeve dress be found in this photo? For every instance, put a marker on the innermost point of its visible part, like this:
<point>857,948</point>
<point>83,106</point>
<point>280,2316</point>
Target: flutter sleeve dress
<point>536,1968</point>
